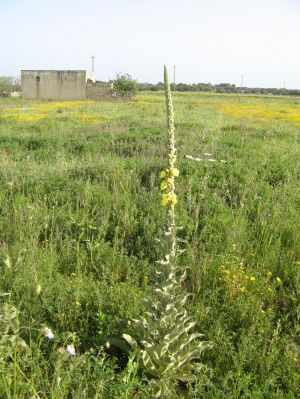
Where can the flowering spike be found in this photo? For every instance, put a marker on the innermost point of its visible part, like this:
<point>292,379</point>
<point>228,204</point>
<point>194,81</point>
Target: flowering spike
<point>166,321</point>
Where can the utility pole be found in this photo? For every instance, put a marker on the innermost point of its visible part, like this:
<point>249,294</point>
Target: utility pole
<point>242,80</point>
<point>174,82</point>
<point>284,84</point>
<point>93,61</point>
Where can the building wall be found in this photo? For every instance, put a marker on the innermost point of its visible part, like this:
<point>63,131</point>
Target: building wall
<point>90,76</point>
<point>53,85</point>
<point>99,90</point>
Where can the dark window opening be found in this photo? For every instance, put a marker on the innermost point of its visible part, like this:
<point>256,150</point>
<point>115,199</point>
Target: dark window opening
<point>38,78</point>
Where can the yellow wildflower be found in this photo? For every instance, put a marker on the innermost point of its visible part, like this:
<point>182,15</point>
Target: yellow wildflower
<point>38,289</point>
<point>278,279</point>
<point>146,279</point>
<point>252,278</point>
<point>269,274</point>
<point>163,174</point>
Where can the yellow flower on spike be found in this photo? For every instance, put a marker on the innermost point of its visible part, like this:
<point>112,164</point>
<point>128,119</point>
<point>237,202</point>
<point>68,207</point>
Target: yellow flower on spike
<point>169,198</point>
<point>163,174</point>
<point>165,199</point>
<point>174,172</point>
<point>173,199</point>
<point>163,185</point>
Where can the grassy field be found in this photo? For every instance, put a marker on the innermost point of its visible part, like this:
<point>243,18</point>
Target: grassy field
<point>80,216</point>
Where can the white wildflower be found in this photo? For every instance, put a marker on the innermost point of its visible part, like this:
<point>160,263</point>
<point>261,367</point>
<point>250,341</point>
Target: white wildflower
<point>48,333</point>
<point>71,350</point>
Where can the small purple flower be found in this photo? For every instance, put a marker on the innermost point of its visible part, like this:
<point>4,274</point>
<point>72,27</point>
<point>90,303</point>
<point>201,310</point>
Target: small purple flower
<point>48,333</point>
<point>71,350</point>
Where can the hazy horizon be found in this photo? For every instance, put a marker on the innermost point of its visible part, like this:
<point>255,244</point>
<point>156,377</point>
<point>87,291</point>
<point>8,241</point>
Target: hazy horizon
<point>214,42</point>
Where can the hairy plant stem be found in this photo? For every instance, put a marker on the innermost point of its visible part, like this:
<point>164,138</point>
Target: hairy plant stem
<point>171,228</point>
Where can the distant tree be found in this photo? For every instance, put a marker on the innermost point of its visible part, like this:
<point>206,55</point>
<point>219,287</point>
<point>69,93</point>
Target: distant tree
<point>125,85</point>
<point>17,85</point>
<point>6,84</point>
<point>9,84</point>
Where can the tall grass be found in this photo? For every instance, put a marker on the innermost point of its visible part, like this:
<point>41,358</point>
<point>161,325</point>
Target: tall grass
<point>79,218</point>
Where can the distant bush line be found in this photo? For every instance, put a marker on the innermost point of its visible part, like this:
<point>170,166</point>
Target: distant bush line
<point>219,88</point>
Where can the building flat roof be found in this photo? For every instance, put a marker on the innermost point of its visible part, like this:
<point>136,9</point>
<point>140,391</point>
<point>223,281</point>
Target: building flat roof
<point>53,70</point>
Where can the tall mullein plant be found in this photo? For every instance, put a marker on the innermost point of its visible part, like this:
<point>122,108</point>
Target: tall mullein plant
<point>162,337</point>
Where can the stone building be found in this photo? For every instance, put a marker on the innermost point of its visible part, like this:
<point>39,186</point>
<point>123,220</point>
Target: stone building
<point>63,85</point>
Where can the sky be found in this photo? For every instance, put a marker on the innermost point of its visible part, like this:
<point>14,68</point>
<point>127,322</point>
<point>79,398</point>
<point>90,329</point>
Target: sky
<point>214,41</point>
